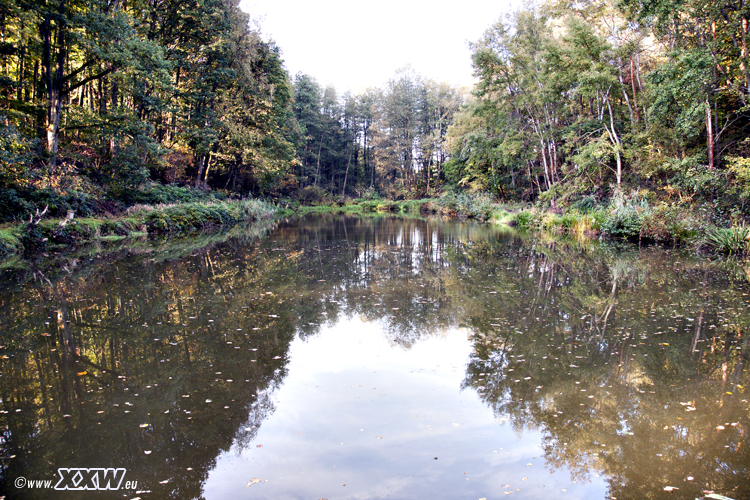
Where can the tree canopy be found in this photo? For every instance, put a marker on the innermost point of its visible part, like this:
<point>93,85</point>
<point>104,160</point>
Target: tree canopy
<point>572,100</point>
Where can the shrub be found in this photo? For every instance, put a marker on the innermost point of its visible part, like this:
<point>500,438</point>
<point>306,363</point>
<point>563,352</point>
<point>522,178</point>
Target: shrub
<point>154,194</point>
<point>585,204</point>
<point>734,240</point>
<point>671,224</point>
<point>477,206</point>
<point>311,194</point>
<point>528,219</point>
<point>191,216</point>
<point>12,206</point>
<point>626,218</point>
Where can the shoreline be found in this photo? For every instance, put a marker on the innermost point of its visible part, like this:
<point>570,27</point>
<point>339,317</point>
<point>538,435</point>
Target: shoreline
<point>37,237</point>
<point>678,231</point>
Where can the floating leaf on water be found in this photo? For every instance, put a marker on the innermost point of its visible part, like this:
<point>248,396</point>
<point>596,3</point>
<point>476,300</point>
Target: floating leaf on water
<point>81,374</point>
<point>147,452</point>
<point>143,426</point>
<point>252,481</point>
<point>670,488</point>
<point>259,446</point>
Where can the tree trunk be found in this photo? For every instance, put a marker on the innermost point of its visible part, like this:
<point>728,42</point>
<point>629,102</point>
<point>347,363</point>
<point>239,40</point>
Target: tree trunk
<point>201,162</point>
<point>710,135</point>
<point>615,144</point>
<point>346,175</point>
<point>317,168</point>
<point>208,167</point>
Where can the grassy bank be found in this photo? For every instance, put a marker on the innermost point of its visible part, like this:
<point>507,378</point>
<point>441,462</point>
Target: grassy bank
<point>635,218</point>
<point>138,220</point>
<point>632,217</point>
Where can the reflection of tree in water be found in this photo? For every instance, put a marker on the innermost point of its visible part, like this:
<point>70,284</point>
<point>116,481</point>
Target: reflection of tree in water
<point>386,270</point>
<point>630,367</point>
<point>553,324</point>
<point>129,361</point>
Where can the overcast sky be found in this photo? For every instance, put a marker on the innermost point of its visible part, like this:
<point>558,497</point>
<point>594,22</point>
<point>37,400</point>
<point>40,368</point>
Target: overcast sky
<point>354,45</point>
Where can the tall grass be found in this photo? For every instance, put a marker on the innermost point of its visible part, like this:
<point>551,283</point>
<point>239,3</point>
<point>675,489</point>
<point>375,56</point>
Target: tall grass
<point>191,216</point>
<point>734,240</point>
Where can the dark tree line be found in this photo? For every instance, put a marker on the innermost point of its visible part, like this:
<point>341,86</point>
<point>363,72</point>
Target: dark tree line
<point>572,101</point>
<point>594,98</point>
<point>119,92</point>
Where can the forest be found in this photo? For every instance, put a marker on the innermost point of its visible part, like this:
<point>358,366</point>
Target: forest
<point>576,105</point>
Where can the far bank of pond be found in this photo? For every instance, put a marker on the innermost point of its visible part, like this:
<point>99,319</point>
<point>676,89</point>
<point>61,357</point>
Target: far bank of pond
<point>625,219</point>
<point>347,357</point>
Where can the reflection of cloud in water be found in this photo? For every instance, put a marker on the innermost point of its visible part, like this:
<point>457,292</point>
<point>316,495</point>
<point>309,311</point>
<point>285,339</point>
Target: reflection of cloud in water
<point>359,410</point>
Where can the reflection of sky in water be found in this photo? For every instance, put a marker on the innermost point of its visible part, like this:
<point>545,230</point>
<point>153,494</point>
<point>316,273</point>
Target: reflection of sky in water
<point>358,411</point>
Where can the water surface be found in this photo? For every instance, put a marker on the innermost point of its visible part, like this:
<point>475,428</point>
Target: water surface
<point>342,357</point>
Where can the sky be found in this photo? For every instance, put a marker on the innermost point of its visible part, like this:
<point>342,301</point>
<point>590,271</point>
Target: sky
<point>355,45</point>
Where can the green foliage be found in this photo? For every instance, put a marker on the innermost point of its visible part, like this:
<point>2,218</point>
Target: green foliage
<point>694,179</point>
<point>16,156</point>
<point>527,219</point>
<point>733,241</point>
<point>10,243</point>
<point>12,205</point>
<point>477,206</point>
<point>154,194</point>
<point>626,217</point>
<point>18,204</point>
<point>311,195</point>
<point>192,216</point>
<point>671,223</point>
<point>679,89</point>
<point>739,168</point>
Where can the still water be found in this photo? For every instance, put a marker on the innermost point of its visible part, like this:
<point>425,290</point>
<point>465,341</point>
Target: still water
<point>341,357</point>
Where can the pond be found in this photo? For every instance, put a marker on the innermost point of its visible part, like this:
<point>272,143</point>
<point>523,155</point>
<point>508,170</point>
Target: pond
<point>341,357</point>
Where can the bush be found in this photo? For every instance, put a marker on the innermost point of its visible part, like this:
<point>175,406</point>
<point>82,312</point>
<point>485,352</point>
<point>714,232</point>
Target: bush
<point>16,155</point>
<point>311,195</point>
<point>585,204</point>
<point>477,206</point>
<point>528,219</point>
<point>733,241</point>
<point>12,206</point>
<point>191,216</point>
<point>155,194</point>
<point>626,218</point>
<point>671,224</point>
<point>17,205</point>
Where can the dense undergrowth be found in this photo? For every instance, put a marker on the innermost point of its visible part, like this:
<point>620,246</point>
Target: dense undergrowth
<point>156,209</point>
<point>31,238</point>
<point>634,217</point>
